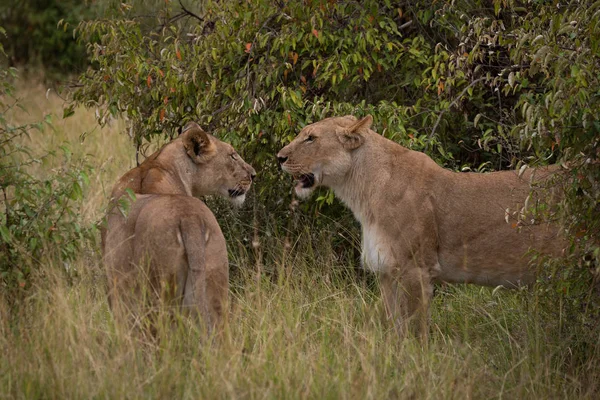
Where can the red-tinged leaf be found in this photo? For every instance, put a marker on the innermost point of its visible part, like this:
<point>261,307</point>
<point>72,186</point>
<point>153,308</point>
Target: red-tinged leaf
<point>370,18</point>
<point>289,119</point>
<point>303,79</point>
<point>315,32</point>
<point>165,100</point>
<point>178,54</point>
<point>162,74</point>
<point>172,90</point>
<point>410,135</point>
<point>162,114</point>
<point>379,67</point>
<point>248,47</point>
<point>294,58</point>
<point>149,81</point>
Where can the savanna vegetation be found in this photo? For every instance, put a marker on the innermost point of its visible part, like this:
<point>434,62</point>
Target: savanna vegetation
<point>477,85</point>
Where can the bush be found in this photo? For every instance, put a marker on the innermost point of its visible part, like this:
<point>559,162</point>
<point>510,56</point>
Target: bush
<point>477,85</point>
<point>39,33</point>
<point>39,219</point>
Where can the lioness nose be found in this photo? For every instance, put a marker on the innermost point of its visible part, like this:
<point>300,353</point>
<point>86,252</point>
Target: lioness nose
<point>281,159</point>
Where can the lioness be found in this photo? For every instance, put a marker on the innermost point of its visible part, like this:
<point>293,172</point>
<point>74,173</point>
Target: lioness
<point>168,241</point>
<point>420,222</point>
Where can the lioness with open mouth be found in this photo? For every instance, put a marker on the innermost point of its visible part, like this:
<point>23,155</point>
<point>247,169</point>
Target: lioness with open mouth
<point>420,222</point>
<point>167,244</point>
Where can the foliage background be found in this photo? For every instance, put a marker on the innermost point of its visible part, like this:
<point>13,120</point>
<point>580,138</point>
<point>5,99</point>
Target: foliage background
<point>477,85</point>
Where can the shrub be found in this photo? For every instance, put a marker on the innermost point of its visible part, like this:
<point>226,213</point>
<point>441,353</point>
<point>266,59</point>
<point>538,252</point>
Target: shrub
<point>39,33</point>
<point>477,85</point>
<point>39,218</point>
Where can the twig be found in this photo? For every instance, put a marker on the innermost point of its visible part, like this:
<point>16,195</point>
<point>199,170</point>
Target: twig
<point>223,108</point>
<point>405,25</point>
<point>6,210</point>
<point>437,122</point>
<point>171,20</point>
<point>137,154</point>
<point>191,14</point>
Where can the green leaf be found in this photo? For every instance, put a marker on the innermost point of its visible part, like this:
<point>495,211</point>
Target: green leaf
<point>69,111</point>
<point>76,192</point>
<point>5,234</point>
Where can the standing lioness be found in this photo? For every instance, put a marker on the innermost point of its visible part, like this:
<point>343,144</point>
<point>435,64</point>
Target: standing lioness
<point>166,244</point>
<point>420,222</point>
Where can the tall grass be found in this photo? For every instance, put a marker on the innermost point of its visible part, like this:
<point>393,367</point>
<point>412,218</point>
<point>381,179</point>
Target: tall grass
<point>310,328</point>
<point>108,149</point>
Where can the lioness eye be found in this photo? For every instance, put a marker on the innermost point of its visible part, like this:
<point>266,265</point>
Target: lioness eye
<point>234,156</point>
<point>310,138</point>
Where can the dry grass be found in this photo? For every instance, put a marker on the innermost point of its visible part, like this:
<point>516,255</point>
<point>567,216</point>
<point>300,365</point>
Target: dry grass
<point>108,149</point>
<point>315,333</point>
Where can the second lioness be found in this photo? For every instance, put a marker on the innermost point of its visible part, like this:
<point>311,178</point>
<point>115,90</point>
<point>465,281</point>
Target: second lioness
<point>420,222</point>
<point>167,245</point>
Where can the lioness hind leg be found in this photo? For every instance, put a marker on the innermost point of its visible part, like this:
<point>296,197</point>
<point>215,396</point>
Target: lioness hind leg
<point>406,296</point>
<point>195,299</point>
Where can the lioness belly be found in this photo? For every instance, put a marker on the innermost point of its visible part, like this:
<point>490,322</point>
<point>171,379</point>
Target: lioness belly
<point>485,269</point>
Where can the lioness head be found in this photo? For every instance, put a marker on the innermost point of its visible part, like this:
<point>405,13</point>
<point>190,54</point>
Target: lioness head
<point>214,167</point>
<point>321,154</point>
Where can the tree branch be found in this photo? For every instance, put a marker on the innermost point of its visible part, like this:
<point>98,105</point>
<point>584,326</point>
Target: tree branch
<point>6,209</point>
<point>191,14</point>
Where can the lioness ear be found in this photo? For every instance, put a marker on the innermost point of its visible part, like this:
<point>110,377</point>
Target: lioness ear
<point>197,144</point>
<point>189,126</point>
<point>362,125</point>
<point>352,137</point>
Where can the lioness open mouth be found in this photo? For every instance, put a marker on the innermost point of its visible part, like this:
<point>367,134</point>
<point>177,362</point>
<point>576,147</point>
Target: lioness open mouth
<point>305,181</point>
<point>236,192</point>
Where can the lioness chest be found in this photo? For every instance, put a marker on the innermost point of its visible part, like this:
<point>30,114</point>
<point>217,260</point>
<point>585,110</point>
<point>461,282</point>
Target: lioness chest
<point>376,253</point>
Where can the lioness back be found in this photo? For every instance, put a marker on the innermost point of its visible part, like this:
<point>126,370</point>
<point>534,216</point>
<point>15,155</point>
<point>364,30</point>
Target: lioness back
<point>483,233</point>
<point>161,243</point>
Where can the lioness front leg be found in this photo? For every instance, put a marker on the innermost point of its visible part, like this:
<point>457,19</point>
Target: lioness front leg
<point>406,295</point>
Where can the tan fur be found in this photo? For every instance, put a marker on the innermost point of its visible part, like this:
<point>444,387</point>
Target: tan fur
<point>167,245</point>
<point>420,222</point>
